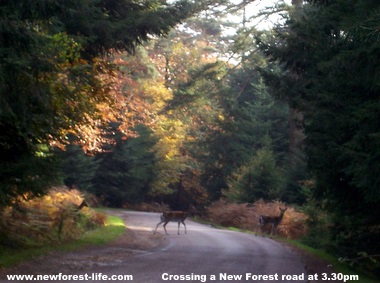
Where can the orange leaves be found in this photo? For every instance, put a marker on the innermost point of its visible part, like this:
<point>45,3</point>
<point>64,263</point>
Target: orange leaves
<point>246,216</point>
<point>51,218</point>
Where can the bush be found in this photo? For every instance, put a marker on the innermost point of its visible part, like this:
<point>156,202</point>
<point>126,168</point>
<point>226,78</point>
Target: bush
<point>246,216</point>
<point>52,218</point>
<point>260,178</point>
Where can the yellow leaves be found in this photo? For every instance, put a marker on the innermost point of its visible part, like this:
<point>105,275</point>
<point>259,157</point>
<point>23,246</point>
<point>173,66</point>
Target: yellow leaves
<point>172,135</point>
<point>50,218</point>
<point>67,48</point>
<point>157,93</point>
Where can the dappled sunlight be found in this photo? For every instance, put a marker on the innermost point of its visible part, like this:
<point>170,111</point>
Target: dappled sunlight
<point>139,228</point>
<point>59,216</point>
<point>115,224</point>
<point>263,116</point>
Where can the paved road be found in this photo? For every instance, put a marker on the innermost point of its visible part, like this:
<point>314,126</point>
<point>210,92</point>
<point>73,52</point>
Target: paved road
<point>206,254</point>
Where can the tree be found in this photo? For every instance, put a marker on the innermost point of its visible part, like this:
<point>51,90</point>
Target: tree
<point>78,169</point>
<point>259,179</point>
<point>329,55</point>
<point>192,74</point>
<point>50,68</point>
<point>253,120</point>
<point>126,169</point>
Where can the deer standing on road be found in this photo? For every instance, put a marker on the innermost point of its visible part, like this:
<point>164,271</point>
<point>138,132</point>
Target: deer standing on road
<point>174,216</point>
<point>272,220</point>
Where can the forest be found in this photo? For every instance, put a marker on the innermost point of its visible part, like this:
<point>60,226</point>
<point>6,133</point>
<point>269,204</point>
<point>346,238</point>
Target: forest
<point>192,103</point>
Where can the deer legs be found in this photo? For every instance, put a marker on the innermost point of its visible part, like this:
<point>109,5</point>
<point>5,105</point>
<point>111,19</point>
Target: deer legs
<point>174,216</point>
<point>274,221</point>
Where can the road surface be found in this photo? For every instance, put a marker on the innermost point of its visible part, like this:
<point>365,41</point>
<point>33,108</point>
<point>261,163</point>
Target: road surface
<point>204,254</point>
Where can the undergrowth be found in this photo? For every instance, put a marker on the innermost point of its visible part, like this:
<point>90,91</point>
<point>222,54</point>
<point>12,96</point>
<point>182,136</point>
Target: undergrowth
<point>113,228</point>
<point>54,218</point>
<point>295,228</point>
<point>245,216</point>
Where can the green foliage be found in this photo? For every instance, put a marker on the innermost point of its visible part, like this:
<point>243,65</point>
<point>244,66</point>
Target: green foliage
<point>260,178</point>
<point>125,170</point>
<point>113,228</point>
<point>319,224</point>
<point>26,173</point>
<point>78,168</point>
<point>195,77</point>
<point>51,67</point>
<point>329,52</point>
<point>253,121</point>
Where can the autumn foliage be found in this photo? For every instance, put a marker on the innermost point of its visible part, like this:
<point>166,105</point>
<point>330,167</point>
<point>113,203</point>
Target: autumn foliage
<point>53,218</point>
<point>246,216</point>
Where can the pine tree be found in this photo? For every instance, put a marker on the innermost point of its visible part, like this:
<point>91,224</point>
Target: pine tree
<point>50,72</point>
<point>126,169</point>
<point>260,178</point>
<point>78,169</point>
<point>329,52</point>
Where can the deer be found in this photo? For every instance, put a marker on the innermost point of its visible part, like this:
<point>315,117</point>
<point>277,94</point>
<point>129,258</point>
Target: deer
<point>176,216</point>
<point>272,220</point>
<point>83,204</point>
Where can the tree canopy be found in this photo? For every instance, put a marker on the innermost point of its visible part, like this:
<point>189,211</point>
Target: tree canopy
<point>121,100</point>
<point>51,62</point>
<point>328,52</point>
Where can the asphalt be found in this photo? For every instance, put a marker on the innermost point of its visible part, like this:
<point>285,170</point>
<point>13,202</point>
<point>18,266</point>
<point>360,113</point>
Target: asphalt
<point>204,254</point>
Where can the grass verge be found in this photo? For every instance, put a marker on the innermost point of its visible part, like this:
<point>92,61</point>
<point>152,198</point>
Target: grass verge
<point>338,266</point>
<point>114,228</point>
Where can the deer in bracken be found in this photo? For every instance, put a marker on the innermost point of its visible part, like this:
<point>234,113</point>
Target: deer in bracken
<point>82,204</point>
<point>274,221</point>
